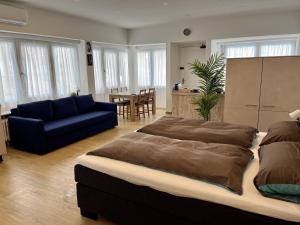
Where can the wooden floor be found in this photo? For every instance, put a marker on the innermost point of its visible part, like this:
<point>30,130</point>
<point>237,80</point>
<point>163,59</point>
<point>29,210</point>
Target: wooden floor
<point>40,190</point>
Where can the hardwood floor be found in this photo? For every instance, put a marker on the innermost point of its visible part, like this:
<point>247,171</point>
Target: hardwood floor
<point>40,190</point>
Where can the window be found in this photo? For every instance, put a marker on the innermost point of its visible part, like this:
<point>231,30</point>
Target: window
<point>98,71</point>
<point>144,68</point>
<point>66,69</point>
<point>151,68</point>
<point>35,70</point>
<point>110,68</point>
<point>239,51</point>
<point>254,47</point>
<point>9,74</point>
<point>123,69</point>
<point>159,68</point>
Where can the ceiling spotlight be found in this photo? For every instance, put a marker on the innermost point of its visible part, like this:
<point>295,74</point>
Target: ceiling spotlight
<point>165,3</point>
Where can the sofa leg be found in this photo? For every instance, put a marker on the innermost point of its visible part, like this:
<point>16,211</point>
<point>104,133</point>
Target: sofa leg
<point>90,215</point>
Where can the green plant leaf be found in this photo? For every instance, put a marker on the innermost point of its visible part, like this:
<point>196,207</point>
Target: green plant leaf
<point>211,82</point>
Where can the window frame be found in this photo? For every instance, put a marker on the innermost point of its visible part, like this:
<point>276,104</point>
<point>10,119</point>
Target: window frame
<point>220,44</point>
<point>151,50</point>
<point>17,40</point>
<point>117,50</point>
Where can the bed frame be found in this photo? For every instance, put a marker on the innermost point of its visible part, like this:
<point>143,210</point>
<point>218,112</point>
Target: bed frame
<point>129,204</point>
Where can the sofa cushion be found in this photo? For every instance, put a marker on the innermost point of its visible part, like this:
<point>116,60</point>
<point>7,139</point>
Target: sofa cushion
<point>37,110</point>
<point>64,107</point>
<point>85,103</point>
<point>67,125</point>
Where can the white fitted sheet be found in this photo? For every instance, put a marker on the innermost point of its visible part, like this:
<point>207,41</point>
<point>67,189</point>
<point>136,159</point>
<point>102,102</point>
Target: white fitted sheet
<point>251,200</point>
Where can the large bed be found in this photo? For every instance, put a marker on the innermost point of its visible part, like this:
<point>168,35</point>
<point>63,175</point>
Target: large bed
<point>131,194</point>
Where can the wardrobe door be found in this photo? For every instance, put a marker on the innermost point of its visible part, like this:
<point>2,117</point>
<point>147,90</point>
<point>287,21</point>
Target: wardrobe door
<point>267,118</point>
<point>280,89</point>
<point>243,78</point>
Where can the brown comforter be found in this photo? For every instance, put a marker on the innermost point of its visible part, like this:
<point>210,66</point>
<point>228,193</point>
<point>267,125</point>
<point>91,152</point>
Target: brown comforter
<point>220,164</point>
<point>199,130</point>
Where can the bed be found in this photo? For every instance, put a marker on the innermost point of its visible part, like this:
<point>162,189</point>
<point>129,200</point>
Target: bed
<point>131,194</point>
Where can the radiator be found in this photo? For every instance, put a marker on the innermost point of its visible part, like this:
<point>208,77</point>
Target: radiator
<point>5,129</point>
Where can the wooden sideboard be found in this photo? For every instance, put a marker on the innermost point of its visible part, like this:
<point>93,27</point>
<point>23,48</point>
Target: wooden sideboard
<point>182,106</point>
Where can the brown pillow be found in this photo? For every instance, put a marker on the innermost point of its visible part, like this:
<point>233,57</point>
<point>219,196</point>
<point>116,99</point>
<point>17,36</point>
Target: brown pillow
<point>279,171</point>
<point>282,131</point>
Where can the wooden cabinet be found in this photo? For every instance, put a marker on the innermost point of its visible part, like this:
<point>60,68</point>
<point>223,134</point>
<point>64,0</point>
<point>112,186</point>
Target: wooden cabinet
<point>261,91</point>
<point>243,82</point>
<point>183,106</point>
<point>243,78</point>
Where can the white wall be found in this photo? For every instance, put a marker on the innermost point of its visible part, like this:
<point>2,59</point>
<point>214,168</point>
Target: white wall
<point>49,23</point>
<point>187,55</point>
<point>214,28</point>
<point>220,27</point>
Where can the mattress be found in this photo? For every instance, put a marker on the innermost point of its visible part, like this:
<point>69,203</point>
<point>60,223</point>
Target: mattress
<point>251,200</point>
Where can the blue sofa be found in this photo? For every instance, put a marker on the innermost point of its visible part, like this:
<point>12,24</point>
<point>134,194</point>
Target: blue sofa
<point>43,126</point>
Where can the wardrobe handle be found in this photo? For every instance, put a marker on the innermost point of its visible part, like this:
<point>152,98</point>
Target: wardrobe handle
<point>249,105</point>
<point>268,106</point>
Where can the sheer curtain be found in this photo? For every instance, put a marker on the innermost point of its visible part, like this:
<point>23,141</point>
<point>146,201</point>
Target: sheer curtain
<point>66,69</point>
<point>144,68</point>
<point>36,69</point>
<point>98,71</point>
<point>123,69</point>
<point>9,75</point>
<point>111,69</point>
<point>240,51</point>
<point>279,49</point>
<point>159,68</point>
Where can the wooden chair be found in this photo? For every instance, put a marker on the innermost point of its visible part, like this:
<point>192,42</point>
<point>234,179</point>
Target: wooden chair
<point>149,100</point>
<point>140,104</point>
<point>122,104</point>
<point>123,89</point>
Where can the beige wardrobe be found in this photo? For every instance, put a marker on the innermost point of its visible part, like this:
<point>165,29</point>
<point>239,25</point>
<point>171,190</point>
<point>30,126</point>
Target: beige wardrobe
<point>261,91</point>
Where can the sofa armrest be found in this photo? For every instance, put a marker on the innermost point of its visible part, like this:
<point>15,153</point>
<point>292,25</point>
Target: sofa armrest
<point>105,106</point>
<point>27,133</point>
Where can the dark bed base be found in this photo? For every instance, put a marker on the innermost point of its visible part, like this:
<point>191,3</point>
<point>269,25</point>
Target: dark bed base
<point>130,204</point>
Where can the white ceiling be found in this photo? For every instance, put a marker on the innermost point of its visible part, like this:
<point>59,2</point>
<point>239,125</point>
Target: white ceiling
<point>139,13</point>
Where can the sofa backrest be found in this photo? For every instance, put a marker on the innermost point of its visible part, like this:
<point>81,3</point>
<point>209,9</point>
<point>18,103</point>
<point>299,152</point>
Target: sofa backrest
<point>56,109</point>
<point>64,107</point>
<point>37,110</point>
<point>85,103</point>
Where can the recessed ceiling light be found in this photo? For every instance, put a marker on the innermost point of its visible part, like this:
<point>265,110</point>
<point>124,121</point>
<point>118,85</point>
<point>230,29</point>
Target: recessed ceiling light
<point>165,3</point>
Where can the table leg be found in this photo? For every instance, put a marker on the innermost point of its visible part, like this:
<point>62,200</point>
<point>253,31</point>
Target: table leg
<point>132,108</point>
<point>154,104</point>
<point>111,99</point>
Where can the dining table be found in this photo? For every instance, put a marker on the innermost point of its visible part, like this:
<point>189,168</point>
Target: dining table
<point>133,99</point>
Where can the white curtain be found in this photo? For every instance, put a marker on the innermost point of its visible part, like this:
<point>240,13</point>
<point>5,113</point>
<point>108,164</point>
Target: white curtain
<point>144,68</point>
<point>36,69</point>
<point>159,68</point>
<point>284,49</point>
<point>66,67</point>
<point>98,71</point>
<point>123,69</point>
<point>239,51</point>
<point>111,69</point>
<point>9,75</point>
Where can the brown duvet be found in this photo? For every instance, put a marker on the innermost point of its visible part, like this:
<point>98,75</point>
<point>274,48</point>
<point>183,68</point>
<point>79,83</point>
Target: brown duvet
<point>220,164</point>
<point>199,130</point>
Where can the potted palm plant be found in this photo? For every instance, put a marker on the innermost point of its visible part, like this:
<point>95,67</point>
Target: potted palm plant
<point>211,76</point>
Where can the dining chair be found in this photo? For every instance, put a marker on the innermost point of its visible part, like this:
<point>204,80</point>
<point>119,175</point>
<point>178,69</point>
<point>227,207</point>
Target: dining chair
<point>123,89</point>
<point>122,103</point>
<point>149,100</point>
<point>140,104</point>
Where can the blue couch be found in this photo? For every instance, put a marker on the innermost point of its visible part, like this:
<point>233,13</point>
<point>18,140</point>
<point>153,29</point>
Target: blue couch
<point>43,126</point>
